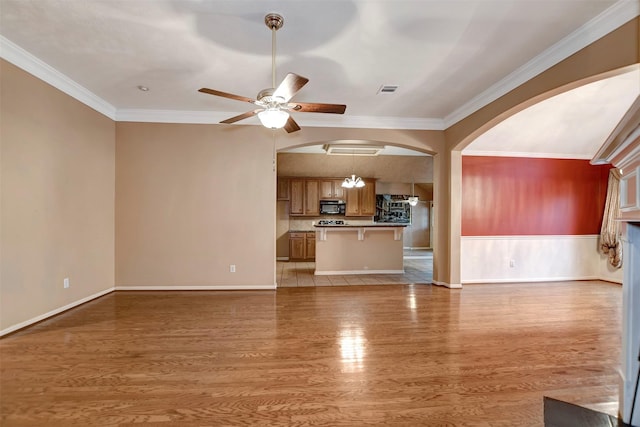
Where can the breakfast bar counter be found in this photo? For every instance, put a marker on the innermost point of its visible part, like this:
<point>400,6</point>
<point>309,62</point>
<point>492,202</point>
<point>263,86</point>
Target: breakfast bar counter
<point>359,249</point>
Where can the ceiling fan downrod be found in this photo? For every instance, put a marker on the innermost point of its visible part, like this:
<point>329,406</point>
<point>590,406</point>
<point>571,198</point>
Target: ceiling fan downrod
<point>273,22</point>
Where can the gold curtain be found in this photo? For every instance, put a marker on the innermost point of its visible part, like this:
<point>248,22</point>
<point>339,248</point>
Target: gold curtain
<point>610,243</point>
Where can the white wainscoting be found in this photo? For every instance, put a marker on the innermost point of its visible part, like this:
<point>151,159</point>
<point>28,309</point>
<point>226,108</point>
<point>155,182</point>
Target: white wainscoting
<point>496,259</point>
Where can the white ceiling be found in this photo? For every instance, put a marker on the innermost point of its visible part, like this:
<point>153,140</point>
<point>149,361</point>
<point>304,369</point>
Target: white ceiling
<point>448,57</point>
<point>571,125</point>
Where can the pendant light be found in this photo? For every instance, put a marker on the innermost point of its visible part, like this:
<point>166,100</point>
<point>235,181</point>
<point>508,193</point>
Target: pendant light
<point>353,181</point>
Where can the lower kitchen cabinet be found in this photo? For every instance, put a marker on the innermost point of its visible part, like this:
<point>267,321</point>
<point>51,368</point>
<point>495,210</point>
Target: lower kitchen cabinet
<point>302,246</point>
<point>310,246</point>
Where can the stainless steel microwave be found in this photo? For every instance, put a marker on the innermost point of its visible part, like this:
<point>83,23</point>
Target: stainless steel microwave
<point>332,207</point>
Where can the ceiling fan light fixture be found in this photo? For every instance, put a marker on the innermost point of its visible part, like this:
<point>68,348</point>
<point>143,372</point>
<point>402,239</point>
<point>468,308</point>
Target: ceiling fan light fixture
<point>273,118</point>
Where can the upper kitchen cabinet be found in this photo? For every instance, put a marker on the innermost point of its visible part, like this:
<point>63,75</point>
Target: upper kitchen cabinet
<point>296,197</point>
<point>312,197</point>
<point>283,189</point>
<point>362,201</point>
<point>304,197</point>
<point>331,189</point>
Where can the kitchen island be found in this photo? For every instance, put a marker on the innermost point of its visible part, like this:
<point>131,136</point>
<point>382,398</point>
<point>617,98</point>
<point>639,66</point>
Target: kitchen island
<point>359,249</point>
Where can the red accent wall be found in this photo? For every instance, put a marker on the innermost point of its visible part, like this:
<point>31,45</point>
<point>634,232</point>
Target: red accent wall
<point>511,196</point>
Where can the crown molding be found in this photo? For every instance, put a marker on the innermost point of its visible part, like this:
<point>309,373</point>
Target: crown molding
<point>170,116</point>
<point>370,122</point>
<point>31,64</point>
<point>614,17</point>
<point>339,121</point>
<point>19,57</point>
<point>617,15</point>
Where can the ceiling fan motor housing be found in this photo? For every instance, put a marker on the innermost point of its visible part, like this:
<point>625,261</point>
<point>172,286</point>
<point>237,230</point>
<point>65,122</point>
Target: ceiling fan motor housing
<point>265,96</point>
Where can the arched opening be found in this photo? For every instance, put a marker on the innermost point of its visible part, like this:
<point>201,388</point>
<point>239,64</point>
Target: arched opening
<point>397,172</point>
<point>550,134</point>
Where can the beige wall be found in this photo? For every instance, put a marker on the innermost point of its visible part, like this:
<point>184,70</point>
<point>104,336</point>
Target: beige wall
<point>57,199</point>
<point>343,252</point>
<point>190,201</point>
<point>417,235</point>
<point>282,229</point>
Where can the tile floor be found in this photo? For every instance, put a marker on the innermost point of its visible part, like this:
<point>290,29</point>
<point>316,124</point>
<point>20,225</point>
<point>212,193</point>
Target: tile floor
<point>418,267</point>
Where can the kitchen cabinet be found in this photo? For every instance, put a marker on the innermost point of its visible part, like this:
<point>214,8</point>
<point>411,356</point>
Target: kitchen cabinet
<point>296,196</point>
<point>312,197</point>
<point>283,189</point>
<point>296,245</point>
<point>304,197</point>
<point>361,201</point>
<point>331,189</point>
<point>302,245</point>
<point>310,246</point>
<point>368,199</point>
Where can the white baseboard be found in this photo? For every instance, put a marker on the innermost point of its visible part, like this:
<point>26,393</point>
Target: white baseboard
<point>447,285</point>
<point>348,272</point>
<point>197,288</point>
<point>282,258</point>
<point>530,280</point>
<point>54,312</point>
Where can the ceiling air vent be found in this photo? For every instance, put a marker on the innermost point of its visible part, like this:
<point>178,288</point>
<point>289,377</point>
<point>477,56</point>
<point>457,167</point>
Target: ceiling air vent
<point>353,150</point>
<point>388,88</point>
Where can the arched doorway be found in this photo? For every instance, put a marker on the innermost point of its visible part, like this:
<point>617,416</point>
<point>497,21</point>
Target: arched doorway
<point>397,173</point>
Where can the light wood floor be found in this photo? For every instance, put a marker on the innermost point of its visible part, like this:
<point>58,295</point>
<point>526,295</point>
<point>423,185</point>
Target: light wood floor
<point>354,355</point>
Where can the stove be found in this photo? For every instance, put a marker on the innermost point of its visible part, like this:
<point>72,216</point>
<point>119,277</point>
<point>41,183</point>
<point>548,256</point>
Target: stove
<point>331,222</point>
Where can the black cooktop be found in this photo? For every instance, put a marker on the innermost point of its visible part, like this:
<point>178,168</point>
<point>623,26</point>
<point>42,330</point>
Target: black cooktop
<point>331,222</point>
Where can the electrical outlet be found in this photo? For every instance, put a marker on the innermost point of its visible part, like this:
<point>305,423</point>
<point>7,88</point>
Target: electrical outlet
<point>65,283</point>
<point>232,268</point>
<point>512,263</point>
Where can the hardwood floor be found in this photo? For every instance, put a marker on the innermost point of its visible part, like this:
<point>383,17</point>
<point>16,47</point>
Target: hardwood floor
<point>353,355</point>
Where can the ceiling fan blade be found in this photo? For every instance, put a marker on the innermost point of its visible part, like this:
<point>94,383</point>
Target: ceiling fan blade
<point>241,117</point>
<point>291,84</point>
<point>226,95</point>
<point>291,125</point>
<point>314,107</point>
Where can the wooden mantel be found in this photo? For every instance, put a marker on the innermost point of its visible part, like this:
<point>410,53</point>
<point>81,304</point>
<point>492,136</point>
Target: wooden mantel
<point>622,149</point>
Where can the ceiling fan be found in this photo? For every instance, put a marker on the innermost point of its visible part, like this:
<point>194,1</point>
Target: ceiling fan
<point>273,103</point>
